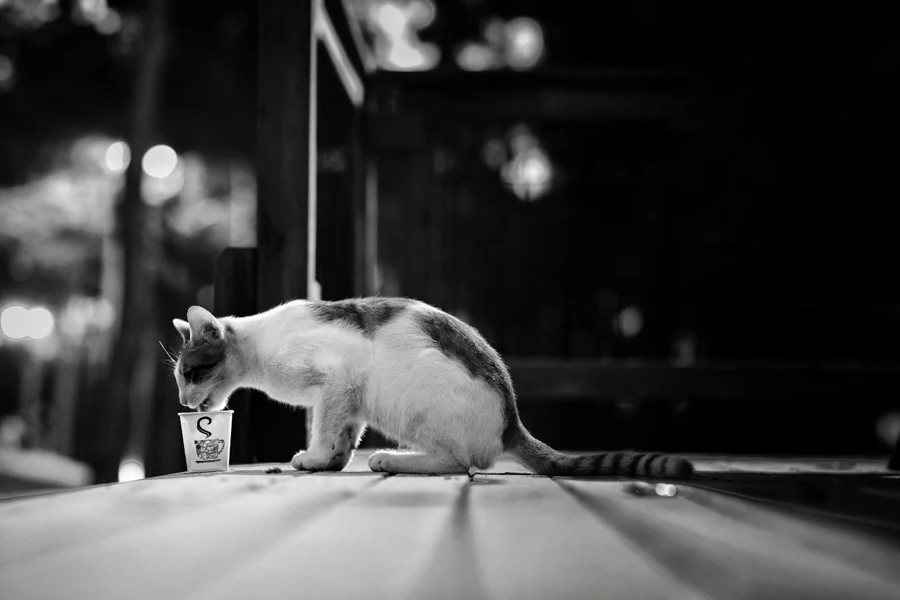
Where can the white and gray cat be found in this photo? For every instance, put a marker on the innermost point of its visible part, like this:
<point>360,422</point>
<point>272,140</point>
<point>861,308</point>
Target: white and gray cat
<point>408,369</point>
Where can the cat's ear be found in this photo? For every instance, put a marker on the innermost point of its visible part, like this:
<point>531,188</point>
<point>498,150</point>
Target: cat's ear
<point>184,329</point>
<point>204,325</point>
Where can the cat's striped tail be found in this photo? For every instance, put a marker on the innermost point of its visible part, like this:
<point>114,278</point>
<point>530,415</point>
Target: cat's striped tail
<point>544,460</point>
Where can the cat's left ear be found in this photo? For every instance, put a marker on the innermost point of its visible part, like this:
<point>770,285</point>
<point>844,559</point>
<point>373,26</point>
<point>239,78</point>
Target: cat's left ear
<point>184,329</point>
<point>204,325</point>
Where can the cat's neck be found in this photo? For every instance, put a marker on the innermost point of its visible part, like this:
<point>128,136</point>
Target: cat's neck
<point>244,342</point>
<point>264,342</point>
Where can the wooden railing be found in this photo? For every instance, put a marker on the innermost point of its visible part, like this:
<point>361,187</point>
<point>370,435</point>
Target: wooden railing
<point>560,379</point>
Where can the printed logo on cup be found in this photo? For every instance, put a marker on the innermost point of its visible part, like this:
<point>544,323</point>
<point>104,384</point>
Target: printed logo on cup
<point>208,450</point>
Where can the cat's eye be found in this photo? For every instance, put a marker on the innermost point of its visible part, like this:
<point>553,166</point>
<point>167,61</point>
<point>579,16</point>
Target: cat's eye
<point>195,374</point>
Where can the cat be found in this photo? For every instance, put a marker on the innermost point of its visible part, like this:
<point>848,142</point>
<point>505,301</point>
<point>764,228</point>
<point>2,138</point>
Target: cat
<point>413,372</point>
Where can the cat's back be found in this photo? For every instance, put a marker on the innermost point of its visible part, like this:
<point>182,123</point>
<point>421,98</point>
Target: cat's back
<point>380,321</point>
<point>393,320</point>
<point>373,318</point>
<point>401,329</point>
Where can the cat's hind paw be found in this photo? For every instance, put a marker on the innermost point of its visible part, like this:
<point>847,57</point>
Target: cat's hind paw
<point>416,463</point>
<point>380,462</point>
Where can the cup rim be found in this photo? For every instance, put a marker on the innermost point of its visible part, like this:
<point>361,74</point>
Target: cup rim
<point>206,412</point>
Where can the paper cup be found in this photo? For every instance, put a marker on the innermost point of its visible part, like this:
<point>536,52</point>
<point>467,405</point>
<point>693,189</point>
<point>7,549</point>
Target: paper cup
<point>207,439</point>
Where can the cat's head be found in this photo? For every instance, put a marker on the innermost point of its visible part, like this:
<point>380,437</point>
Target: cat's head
<point>207,368</point>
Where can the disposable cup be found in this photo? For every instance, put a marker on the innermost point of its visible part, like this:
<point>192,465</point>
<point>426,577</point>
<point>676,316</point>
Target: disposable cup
<point>207,439</point>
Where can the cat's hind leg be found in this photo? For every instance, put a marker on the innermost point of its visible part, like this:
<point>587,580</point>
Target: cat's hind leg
<point>421,463</point>
<point>335,433</point>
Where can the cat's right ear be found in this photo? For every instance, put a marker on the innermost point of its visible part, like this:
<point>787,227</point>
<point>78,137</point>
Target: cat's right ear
<point>184,329</point>
<point>204,326</point>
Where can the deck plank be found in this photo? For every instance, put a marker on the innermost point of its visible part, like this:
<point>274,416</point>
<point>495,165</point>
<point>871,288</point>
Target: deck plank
<point>506,464</point>
<point>534,541</point>
<point>501,534</point>
<point>726,557</point>
<point>839,540</point>
<point>829,499</point>
<point>372,546</point>
<point>55,521</point>
<point>171,557</point>
<point>360,464</point>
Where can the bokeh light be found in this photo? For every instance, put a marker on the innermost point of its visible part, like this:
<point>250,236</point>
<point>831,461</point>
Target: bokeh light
<point>110,23</point>
<point>396,25</point>
<point>118,157</point>
<point>494,153</point>
<point>403,56</point>
<point>476,57</point>
<point>684,347</point>
<point>391,19</point>
<point>524,43</point>
<point>82,314</point>
<point>887,427</point>
<point>159,161</point>
<point>630,321</point>
<point>535,169</point>
<point>7,72</point>
<point>14,322</point>
<point>157,190</point>
<point>41,323</point>
<point>18,322</point>
<point>529,173</point>
<point>131,470</point>
<point>666,489</point>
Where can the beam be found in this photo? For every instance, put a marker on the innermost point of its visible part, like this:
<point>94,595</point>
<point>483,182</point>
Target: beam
<point>560,97</point>
<point>286,189</point>
<point>552,380</point>
<point>337,185</point>
<point>286,151</point>
<point>363,52</point>
<point>328,36</point>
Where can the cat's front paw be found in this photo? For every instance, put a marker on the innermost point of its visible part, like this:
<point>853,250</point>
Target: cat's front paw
<point>307,460</point>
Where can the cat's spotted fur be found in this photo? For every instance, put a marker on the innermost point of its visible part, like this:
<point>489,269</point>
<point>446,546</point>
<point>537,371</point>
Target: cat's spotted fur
<point>413,372</point>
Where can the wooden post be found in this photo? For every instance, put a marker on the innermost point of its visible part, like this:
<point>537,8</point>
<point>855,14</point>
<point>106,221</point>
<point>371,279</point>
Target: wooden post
<point>340,98</point>
<point>350,60</point>
<point>369,259</point>
<point>286,188</point>
<point>235,295</point>
<point>337,172</point>
<point>358,167</point>
<point>894,461</point>
<point>65,402</point>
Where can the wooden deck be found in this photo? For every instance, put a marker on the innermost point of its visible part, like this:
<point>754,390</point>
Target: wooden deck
<point>745,529</point>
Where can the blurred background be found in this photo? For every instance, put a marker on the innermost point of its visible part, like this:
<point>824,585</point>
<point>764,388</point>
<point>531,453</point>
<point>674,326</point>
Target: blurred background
<point>646,190</point>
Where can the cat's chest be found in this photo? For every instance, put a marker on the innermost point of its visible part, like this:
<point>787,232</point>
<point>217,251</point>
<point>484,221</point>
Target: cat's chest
<point>295,396</point>
<point>298,385</point>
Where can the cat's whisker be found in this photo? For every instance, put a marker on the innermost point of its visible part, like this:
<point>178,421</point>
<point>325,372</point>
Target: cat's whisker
<point>169,354</point>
